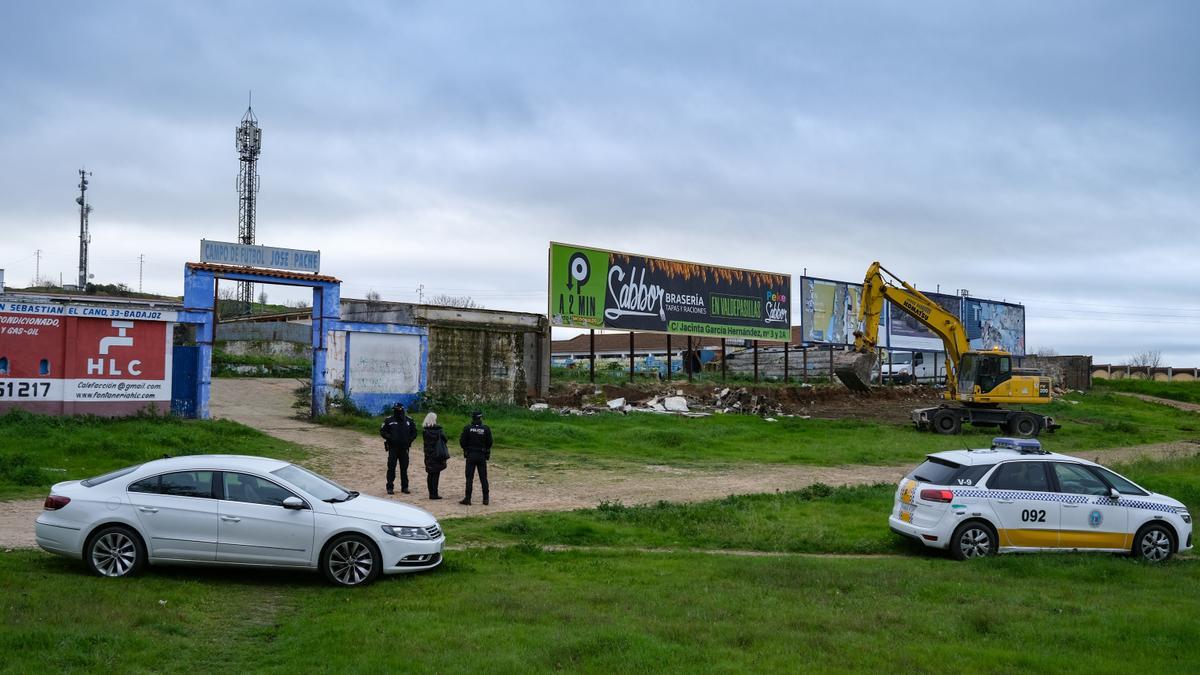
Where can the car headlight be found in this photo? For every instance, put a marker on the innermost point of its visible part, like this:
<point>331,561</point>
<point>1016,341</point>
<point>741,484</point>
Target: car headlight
<point>406,532</point>
<point>1187,517</point>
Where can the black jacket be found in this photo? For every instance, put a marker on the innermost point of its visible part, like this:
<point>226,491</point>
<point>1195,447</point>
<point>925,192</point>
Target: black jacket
<point>435,440</point>
<point>476,441</point>
<point>399,432</point>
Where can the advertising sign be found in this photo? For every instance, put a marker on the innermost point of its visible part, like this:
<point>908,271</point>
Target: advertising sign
<point>250,255</point>
<point>905,332</point>
<point>112,361</point>
<point>829,310</point>
<point>594,288</point>
<point>995,324</point>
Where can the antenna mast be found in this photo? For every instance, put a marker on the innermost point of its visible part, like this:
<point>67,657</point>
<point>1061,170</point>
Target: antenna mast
<point>248,139</point>
<point>84,237</point>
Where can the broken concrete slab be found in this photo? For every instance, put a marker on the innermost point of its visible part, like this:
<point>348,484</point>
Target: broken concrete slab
<point>675,404</point>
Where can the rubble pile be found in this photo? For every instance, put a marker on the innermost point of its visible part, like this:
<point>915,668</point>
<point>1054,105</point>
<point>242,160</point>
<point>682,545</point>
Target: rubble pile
<point>721,400</point>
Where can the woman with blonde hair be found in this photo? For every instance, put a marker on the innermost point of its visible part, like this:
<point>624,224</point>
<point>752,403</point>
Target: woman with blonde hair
<point>437,452</point>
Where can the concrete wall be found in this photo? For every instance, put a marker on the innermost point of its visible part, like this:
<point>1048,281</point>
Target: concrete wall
<point>478,354</point>
<point>275,338</point>
<point>1161,374</point>
<point>1068,372</point>
<point>266,331</point>
<point>770,362</point>
<point>478,363</point>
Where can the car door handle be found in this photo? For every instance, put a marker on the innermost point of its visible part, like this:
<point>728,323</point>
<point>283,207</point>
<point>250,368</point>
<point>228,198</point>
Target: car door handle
<point>1070,506</point>
<point>1005,501</point>
<point>231,519</point>
<point>147,509</point>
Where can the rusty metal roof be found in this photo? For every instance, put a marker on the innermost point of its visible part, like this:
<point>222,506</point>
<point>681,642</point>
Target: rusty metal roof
<point>259,272</point>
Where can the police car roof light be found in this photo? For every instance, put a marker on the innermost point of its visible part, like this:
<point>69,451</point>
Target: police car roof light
<point>1026,446</point>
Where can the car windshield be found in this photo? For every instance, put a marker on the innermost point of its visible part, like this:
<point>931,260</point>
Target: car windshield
<point>314,484</point>
<point>93,482</point>
<point>935,470</point>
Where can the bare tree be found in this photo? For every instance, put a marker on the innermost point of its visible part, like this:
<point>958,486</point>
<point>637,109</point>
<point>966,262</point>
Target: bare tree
<point>463,301</point>
<point>373,296</point>
<point>262,297</point>
<point>1046,351</point>
<point>1151,358</point>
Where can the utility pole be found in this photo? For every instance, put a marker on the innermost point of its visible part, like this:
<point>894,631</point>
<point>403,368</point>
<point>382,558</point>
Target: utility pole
<point>84,237</point>
<point>141,266</point>
<point>420,294</point>
<point>37,268</point>
<point>248,139</point>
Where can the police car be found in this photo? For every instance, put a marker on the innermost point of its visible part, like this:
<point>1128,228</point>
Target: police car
<point>1015,496</point>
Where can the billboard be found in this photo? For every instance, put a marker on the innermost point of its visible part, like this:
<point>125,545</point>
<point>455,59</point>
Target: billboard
<point>829,310</point>
<point>994,324</point>
<point>595,288</point>
<point>65,358</point>
<point>905,332</point>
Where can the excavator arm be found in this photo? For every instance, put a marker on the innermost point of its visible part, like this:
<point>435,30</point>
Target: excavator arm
<point>876,289</point>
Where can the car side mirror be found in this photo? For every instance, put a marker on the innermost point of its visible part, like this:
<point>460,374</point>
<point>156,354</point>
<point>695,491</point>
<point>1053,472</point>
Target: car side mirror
<point>1114,493</point>
<point>293,503</point>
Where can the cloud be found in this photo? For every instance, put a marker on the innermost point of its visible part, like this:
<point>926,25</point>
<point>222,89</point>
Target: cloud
<point>1042,153</point>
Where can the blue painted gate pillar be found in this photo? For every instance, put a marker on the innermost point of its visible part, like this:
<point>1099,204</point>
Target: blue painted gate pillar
<point>199,300</point>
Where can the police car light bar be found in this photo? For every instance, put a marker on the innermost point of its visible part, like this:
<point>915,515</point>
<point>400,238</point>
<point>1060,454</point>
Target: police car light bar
<point>1026,446</point>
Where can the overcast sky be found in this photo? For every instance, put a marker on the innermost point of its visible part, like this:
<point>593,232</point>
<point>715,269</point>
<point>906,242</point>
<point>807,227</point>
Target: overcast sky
<point>1045,153</point>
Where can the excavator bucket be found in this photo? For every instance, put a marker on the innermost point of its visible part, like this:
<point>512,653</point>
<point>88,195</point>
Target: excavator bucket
<point>856,373</point>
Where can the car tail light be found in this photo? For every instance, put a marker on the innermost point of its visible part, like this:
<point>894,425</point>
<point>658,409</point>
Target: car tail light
<point>55,502</point>
<point>937,495</point>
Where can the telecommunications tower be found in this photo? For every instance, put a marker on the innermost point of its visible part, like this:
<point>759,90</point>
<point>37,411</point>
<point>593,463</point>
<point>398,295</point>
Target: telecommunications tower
<point>248,138</point>
<point>84,237</point>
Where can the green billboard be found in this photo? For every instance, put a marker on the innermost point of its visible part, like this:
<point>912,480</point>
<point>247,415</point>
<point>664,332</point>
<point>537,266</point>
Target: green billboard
<point>595,288</point>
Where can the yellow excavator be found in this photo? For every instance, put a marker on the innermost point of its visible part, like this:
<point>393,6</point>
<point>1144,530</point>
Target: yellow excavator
<point>978,382</point>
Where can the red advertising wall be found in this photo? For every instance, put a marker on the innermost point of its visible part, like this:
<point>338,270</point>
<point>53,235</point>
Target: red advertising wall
<point>69,364</point>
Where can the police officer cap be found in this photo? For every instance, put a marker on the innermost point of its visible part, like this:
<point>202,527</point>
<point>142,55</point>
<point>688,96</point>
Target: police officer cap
<point>398,406</point>
<point>476,414</point>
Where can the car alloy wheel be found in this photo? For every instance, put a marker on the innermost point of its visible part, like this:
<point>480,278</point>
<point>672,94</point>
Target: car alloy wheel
<point>351,562</point>
<point>973,540</point>
<point>114,554</point>
<point>1155,545</point>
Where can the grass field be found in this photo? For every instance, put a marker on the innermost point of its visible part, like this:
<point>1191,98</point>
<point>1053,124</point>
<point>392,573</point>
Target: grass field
<point>523,610</point>
<point>38,451</point>
<point>513,607</point>
<point>1090,421</point>
<point>816,519</point>
<point>1188,392</point>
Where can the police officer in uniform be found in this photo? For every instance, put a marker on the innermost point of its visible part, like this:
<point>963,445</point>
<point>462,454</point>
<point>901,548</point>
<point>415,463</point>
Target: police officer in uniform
<point>398,432</point>
<point>476,443</point>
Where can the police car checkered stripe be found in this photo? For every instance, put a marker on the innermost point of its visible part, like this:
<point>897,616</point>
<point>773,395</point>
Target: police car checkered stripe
<point>1135,504</point>
<point>1064,499</point>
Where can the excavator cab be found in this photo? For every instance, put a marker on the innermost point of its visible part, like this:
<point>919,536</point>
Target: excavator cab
<point>986,370</point>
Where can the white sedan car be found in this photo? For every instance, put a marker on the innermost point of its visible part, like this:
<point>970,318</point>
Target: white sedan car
<point>235,510</point>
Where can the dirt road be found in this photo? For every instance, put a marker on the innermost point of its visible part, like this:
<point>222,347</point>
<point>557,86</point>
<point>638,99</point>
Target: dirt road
<point>357,460</point>
<point>1182,405</point>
